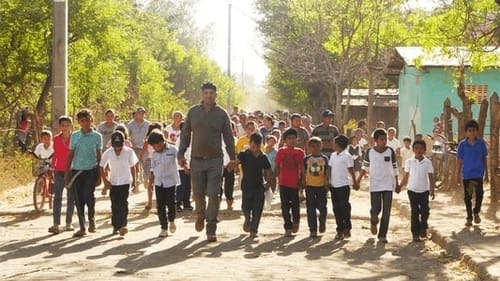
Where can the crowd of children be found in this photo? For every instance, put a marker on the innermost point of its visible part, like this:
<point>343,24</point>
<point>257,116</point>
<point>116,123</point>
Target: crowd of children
<point>294,162</point>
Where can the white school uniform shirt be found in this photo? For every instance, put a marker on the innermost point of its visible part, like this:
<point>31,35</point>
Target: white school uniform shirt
<point>340,163</point>
<point>382,167</point>
<point>164,167</point>
<point>394,143</point>
<point>43,152</point>
<point>418,180</point>
<point>406,153</point>
<point>119,165</point>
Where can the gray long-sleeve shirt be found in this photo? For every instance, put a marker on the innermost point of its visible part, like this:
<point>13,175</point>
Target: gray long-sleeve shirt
<point>205,128</point>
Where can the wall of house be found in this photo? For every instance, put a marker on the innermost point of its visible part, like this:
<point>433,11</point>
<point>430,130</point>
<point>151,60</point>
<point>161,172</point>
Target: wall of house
<point>423,91</point>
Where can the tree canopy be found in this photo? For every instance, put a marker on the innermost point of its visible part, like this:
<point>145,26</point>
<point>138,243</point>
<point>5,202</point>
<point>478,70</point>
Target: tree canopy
<point>121,54</point>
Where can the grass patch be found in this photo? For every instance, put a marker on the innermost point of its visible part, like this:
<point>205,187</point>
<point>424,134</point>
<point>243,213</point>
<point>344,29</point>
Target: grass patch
<point>15,170</point>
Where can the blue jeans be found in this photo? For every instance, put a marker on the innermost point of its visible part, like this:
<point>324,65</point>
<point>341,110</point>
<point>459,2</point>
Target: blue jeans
<point>70,200</point>
<point>315,200</point>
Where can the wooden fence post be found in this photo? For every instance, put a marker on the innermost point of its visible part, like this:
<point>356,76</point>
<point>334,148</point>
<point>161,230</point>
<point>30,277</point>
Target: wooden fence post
<point>494,153</point>
<point>483,112</point>
<point>447,122</point>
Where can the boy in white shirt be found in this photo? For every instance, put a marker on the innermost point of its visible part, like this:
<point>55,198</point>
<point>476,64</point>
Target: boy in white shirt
<point>419,176</point>
<point>44,149</point>
<point>406,151</point>
<point>165,177</point>
<point>121,161</point>
<point>380,162</point>
<point>340,167</point>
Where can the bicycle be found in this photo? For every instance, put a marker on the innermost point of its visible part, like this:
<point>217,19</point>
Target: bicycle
<point>44,183</point>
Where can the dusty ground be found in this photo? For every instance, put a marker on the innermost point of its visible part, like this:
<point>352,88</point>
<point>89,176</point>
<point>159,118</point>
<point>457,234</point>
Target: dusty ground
<point>28,252</point>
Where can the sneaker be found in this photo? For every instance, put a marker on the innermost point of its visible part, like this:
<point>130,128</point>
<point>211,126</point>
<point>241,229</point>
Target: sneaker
<point>373,229</point>
<point>54,229</point>
<point>322,227</point>
<point>163,233</point>
<point>295,227</point>
<point>211,238</point>
<point>468,223</point>
<point>79,233</point>
<point>123,231</point>
<point>69,227</point>
<point>347,233</point>
<point>246,226</point>
<point>416,239</point>
<point>313,234</point>
<point>172,227</point>
<point>339,236</point>
<point>115,231</point>
<point>477,218</point>
<point>253,234</point>
<point>200,222</point>
<point>382,240</point>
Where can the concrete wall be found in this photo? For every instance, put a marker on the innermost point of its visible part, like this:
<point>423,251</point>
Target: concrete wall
<point>423,91</point>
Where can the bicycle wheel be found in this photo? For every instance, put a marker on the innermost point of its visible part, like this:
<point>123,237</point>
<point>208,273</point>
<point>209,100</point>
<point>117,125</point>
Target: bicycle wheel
<point>39,194</point>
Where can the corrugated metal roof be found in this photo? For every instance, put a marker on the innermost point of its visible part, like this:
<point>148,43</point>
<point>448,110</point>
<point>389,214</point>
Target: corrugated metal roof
<point>451,56</point>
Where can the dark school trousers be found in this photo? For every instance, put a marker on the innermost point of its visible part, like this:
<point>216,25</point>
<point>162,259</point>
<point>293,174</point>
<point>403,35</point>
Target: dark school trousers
<point>83,191</point>
<point>341,207</point>
<point>165,199</point>
<point>119,205</point>
<point>289,203</point>
<point>381,201</point>
<point>315,200</point>
<point>419,203</point>
<point>252,204</point>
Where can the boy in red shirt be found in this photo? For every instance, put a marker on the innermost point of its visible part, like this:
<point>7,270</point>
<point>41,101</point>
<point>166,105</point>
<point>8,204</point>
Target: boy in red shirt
<point>59,163</point>
<point>289,165</point>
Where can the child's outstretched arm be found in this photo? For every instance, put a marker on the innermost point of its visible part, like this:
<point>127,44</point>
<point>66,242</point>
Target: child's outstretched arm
<point>432,186</point>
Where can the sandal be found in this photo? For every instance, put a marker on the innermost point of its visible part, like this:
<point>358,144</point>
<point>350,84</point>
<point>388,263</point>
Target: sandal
<point>79,233</point>
<point>54,229</point>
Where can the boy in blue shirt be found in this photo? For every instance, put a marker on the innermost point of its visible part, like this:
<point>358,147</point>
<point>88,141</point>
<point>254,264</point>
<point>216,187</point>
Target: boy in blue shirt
<point>472,170</point>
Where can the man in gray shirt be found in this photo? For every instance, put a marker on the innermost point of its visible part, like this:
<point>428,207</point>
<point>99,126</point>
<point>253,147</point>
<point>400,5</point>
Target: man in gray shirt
<point>326,132</point>
<point>107,127</point>
<point>203,127</point>
<point>137,130</point>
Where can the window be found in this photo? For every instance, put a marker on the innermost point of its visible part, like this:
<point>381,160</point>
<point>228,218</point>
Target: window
<point>477,93</point>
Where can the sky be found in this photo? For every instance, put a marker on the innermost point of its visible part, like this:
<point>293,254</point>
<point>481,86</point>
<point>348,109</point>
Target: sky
<point>247,51</point>
<point>246,47</point>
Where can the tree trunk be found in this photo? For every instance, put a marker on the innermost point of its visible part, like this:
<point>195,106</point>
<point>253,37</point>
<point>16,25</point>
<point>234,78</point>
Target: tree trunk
<point>447,122</point>
<point>483,112</point>
<point>41,106</point>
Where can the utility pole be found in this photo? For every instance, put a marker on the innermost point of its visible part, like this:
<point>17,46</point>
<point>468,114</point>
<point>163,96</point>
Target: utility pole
<point>59,62</point>
<point>229,55</point>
